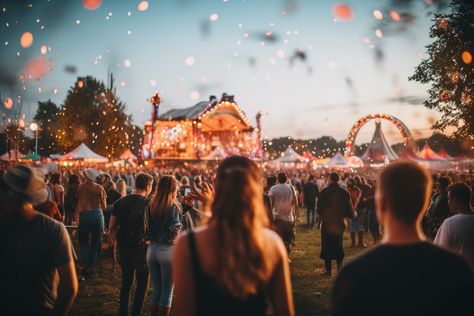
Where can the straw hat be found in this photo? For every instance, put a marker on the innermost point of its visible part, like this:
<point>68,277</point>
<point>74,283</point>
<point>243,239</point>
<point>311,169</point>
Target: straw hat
<point>25,183</point>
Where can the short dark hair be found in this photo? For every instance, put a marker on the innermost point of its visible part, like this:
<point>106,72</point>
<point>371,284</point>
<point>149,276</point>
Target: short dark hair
<point>406,186</point>
<point>334,177</point>
<point>444,181</point>
<point>462,192</point>
<point>142,181</point>
<point>271,181</point>
<point>281,176</point>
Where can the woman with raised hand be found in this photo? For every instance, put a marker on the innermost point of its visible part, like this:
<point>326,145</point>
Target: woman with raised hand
<point>234,265</point>
<point>164,221</point>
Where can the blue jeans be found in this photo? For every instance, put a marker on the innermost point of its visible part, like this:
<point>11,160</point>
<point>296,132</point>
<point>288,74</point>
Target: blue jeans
<point>158,258</point>
<point>91,227</point>
<point>310,215</point>
<point>358,223</point>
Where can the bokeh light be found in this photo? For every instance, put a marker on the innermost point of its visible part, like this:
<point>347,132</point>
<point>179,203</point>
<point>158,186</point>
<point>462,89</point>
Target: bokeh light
<point>26,39</point>
<point>342,11</point>
<point>378,15</point>
<point>8,103</point>
<point>91,4</point>
<point>466,57</point>
<point>394,15</point>
<point>143,6</point>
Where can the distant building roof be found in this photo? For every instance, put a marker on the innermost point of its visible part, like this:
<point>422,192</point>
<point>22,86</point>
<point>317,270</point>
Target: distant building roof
<point>192,112</point>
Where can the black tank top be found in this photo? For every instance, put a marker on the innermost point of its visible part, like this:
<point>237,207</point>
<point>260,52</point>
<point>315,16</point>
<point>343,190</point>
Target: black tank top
<point>212,299</point>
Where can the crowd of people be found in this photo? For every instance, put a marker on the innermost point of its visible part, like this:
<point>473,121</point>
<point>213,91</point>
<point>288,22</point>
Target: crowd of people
<point>218,242</point>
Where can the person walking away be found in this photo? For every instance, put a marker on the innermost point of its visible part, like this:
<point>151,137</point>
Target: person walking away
<point>356,224</point>
<point>438,210</point>
<point>37,271</point>
<point>70,200</point>
<point>164,224</point>
<point>112,195</point>
<point>404,274</point>
<point>234,265</point>
<point>91,201</point>
<point>128,229</point>
<point>362,210</point>
<point>334,204</point>
<point>310,194</point>
<point>50,209</point>
<point>284,199</point>
<point>57,191</point>
<point>373,222</point>
<point>457,232</point>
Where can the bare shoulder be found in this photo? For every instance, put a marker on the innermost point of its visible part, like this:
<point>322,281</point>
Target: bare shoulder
<point>274,243</point>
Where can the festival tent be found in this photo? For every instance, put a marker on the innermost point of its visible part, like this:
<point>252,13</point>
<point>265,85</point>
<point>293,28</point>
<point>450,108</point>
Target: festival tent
<point>443,154</point>
<point>128,155</point>
<point>12,155</point>
<point>338,160</point>
<point>33,156</point>
<point>428,154</point>
<point>290,155</point>
<point>309,156</point>
<point>217,154</point>
<point>83,153</point>
<point>355,162</point>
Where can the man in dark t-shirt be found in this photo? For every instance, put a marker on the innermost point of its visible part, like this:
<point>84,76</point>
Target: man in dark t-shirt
<point>128,228</point>
<point>404,275</point>
<point>37,272</point>
<point>310,193</point>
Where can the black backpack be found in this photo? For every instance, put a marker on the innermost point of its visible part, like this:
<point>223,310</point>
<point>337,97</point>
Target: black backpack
<point>137,228</point>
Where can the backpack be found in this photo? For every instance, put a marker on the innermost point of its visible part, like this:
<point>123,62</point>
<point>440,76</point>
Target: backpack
<point>137,226</point>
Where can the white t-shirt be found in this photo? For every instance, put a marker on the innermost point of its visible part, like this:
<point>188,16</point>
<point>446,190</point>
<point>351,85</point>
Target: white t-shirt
<point>282,196</point>
<point>457,234</point>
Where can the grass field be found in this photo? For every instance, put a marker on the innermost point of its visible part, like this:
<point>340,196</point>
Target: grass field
<point>311,287</point>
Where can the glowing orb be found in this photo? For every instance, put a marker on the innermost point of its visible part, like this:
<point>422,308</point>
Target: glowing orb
<point>394,15</point>
<point>26,39</point>
<point>466,57</point>
<point>91,4</point>
<point>127,63</point>
<point>194,95</point>
<point>80,83</point>
<point>378,33</point>
<point>214,17</point>
<point>37,68</point>
<point>152,83</point>
<point>342,11</point>
<point>444,96</point>
<point>143,6</point>
<point>189,61</point>
<point>43,49</point>
<point>21,123</point>
<point>8,103</point>
<point>377,15</point>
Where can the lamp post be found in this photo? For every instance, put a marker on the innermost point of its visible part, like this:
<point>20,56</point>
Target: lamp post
<point>34,128</point>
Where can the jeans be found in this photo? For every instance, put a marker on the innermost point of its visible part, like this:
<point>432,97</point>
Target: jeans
<point>91,227</point>
<point>310,215</point>
<point>358,223</point>
<point>158,258</point>
<point>132,262</point>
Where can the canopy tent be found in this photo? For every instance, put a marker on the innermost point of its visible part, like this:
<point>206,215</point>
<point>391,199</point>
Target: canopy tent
<point>428,154</point>
<point>217,154</point>
<point>338,160</point>
<point>128,155</point>
<point>309,156</point>
<point>290,155</point>
<point>443,154</point>
<point>83,153</point>
<point>11,155</point>
<point>33,156</point>
<point>355,162</point>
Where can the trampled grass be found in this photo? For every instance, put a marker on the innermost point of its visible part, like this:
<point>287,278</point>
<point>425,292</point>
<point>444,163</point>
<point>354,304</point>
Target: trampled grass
<point>311,288</point>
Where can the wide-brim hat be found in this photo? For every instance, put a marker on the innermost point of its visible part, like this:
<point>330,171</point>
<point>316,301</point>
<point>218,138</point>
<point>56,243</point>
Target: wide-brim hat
<point>26,183</point>
<point>92,174</point>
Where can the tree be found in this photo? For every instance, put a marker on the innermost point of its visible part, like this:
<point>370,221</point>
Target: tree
<point>93,114</point>
<point>448,68</point>
<point>45,117</point>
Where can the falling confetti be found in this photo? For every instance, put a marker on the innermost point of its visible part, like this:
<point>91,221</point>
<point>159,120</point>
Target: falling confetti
<point>127,63</point>
<point>43,49</point>
<point>378,15</point>
<point>378,33</point>
<point>143,6</point>
<point>91,4</point>
<point>26,39</point>
<point>214,17</point>
<point>8,103</point>
<point>466,57</point>
<point>342,11</point>
<point>394,15</point>
<point>189,61</point>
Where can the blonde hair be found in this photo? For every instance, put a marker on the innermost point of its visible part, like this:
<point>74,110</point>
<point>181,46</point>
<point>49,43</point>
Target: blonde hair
<point>121,187</point>
<point>239,216</point>
<point>164,197</point>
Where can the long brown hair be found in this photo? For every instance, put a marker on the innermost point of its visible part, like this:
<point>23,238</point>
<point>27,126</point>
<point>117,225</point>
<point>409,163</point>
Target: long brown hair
<point>164,197</point>
<point>239,216</point>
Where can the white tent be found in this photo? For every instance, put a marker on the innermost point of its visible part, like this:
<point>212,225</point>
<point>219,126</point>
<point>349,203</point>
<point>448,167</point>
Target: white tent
<point>338,160</point>
<point>12,155</point>
<point>217,154</point>
<point>290,155</point>
<point>128,155</point>
<point>84,153</point>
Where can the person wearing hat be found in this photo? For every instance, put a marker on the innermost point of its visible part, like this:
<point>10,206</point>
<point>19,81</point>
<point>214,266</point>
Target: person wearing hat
<point>37,271</point>
<point>91,202</point>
